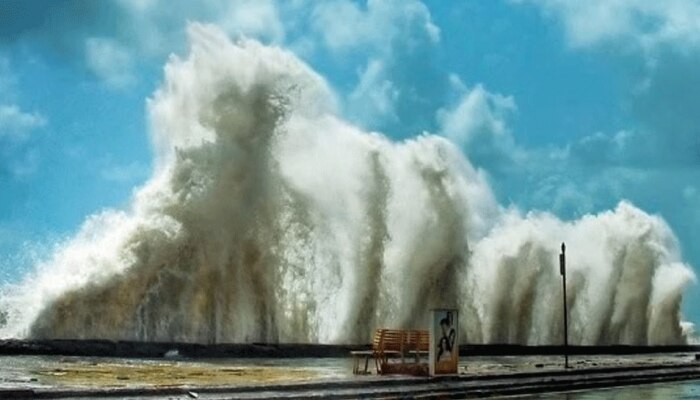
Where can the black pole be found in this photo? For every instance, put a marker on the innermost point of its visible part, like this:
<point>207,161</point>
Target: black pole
<point>562,270</point>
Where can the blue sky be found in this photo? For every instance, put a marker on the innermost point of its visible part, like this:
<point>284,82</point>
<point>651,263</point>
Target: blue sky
<point>568,106</point>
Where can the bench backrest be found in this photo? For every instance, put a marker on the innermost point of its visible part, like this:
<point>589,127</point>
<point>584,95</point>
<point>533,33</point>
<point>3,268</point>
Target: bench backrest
<point>418,340</point>
<point>400,340</point>
<point>393,340</point>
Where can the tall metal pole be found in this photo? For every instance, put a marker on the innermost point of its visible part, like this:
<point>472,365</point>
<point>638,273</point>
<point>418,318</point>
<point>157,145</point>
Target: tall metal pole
<point>562,270</point>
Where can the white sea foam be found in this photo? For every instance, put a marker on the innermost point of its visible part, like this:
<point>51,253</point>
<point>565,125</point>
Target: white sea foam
<point>269,218</point>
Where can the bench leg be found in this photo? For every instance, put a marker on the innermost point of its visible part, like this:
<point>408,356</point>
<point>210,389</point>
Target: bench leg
<point>366,365</point>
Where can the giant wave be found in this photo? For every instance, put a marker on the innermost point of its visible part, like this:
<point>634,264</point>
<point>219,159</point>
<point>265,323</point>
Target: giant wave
<point>269,218</point>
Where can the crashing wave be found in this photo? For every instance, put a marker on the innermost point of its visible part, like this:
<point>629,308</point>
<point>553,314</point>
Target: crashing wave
<point>269,218</point>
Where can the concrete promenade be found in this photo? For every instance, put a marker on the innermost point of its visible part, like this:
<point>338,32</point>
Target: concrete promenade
<point>459,387</point>
<point>129,370</point>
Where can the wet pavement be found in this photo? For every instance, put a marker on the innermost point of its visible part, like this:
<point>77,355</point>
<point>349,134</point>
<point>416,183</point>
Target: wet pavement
<point>57,372</point>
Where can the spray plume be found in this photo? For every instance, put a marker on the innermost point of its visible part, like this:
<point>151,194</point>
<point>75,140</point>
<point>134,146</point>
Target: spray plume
<point>268,218</point>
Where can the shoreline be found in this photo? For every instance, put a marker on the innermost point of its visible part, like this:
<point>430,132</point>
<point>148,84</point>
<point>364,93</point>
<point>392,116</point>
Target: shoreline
<point>136,349</point>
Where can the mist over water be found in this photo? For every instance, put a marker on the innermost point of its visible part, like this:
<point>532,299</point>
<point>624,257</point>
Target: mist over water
<point>269,218</point>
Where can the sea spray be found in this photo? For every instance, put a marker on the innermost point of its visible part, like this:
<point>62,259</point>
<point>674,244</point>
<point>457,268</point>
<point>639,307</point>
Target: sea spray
<point>269,218</point>
<point>624,279</point>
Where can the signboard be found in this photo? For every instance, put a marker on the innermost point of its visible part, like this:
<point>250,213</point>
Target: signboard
<point>444,347</point>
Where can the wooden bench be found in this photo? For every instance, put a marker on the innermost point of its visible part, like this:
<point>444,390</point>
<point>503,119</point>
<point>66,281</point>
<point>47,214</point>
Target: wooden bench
<point>392,344</point>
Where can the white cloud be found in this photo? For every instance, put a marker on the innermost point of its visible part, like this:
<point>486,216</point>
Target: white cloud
<point>139,5</point>
<point>8,80</point>
<point>395,40</point>
<point>479,122</point>
<point>24,164</point>
<point>477,114</point>
<point>354,31</point>
<point>158,32</point>
<point>564,196</point>
<point>17,157</point>
<point>622,147</point>
<point>344,25</point>
<point>110,61</point>
<point>644,24</point>
<point>128,173</point>
<point>254,18</point>
<point>375,95</point>
<point>16,124</point>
